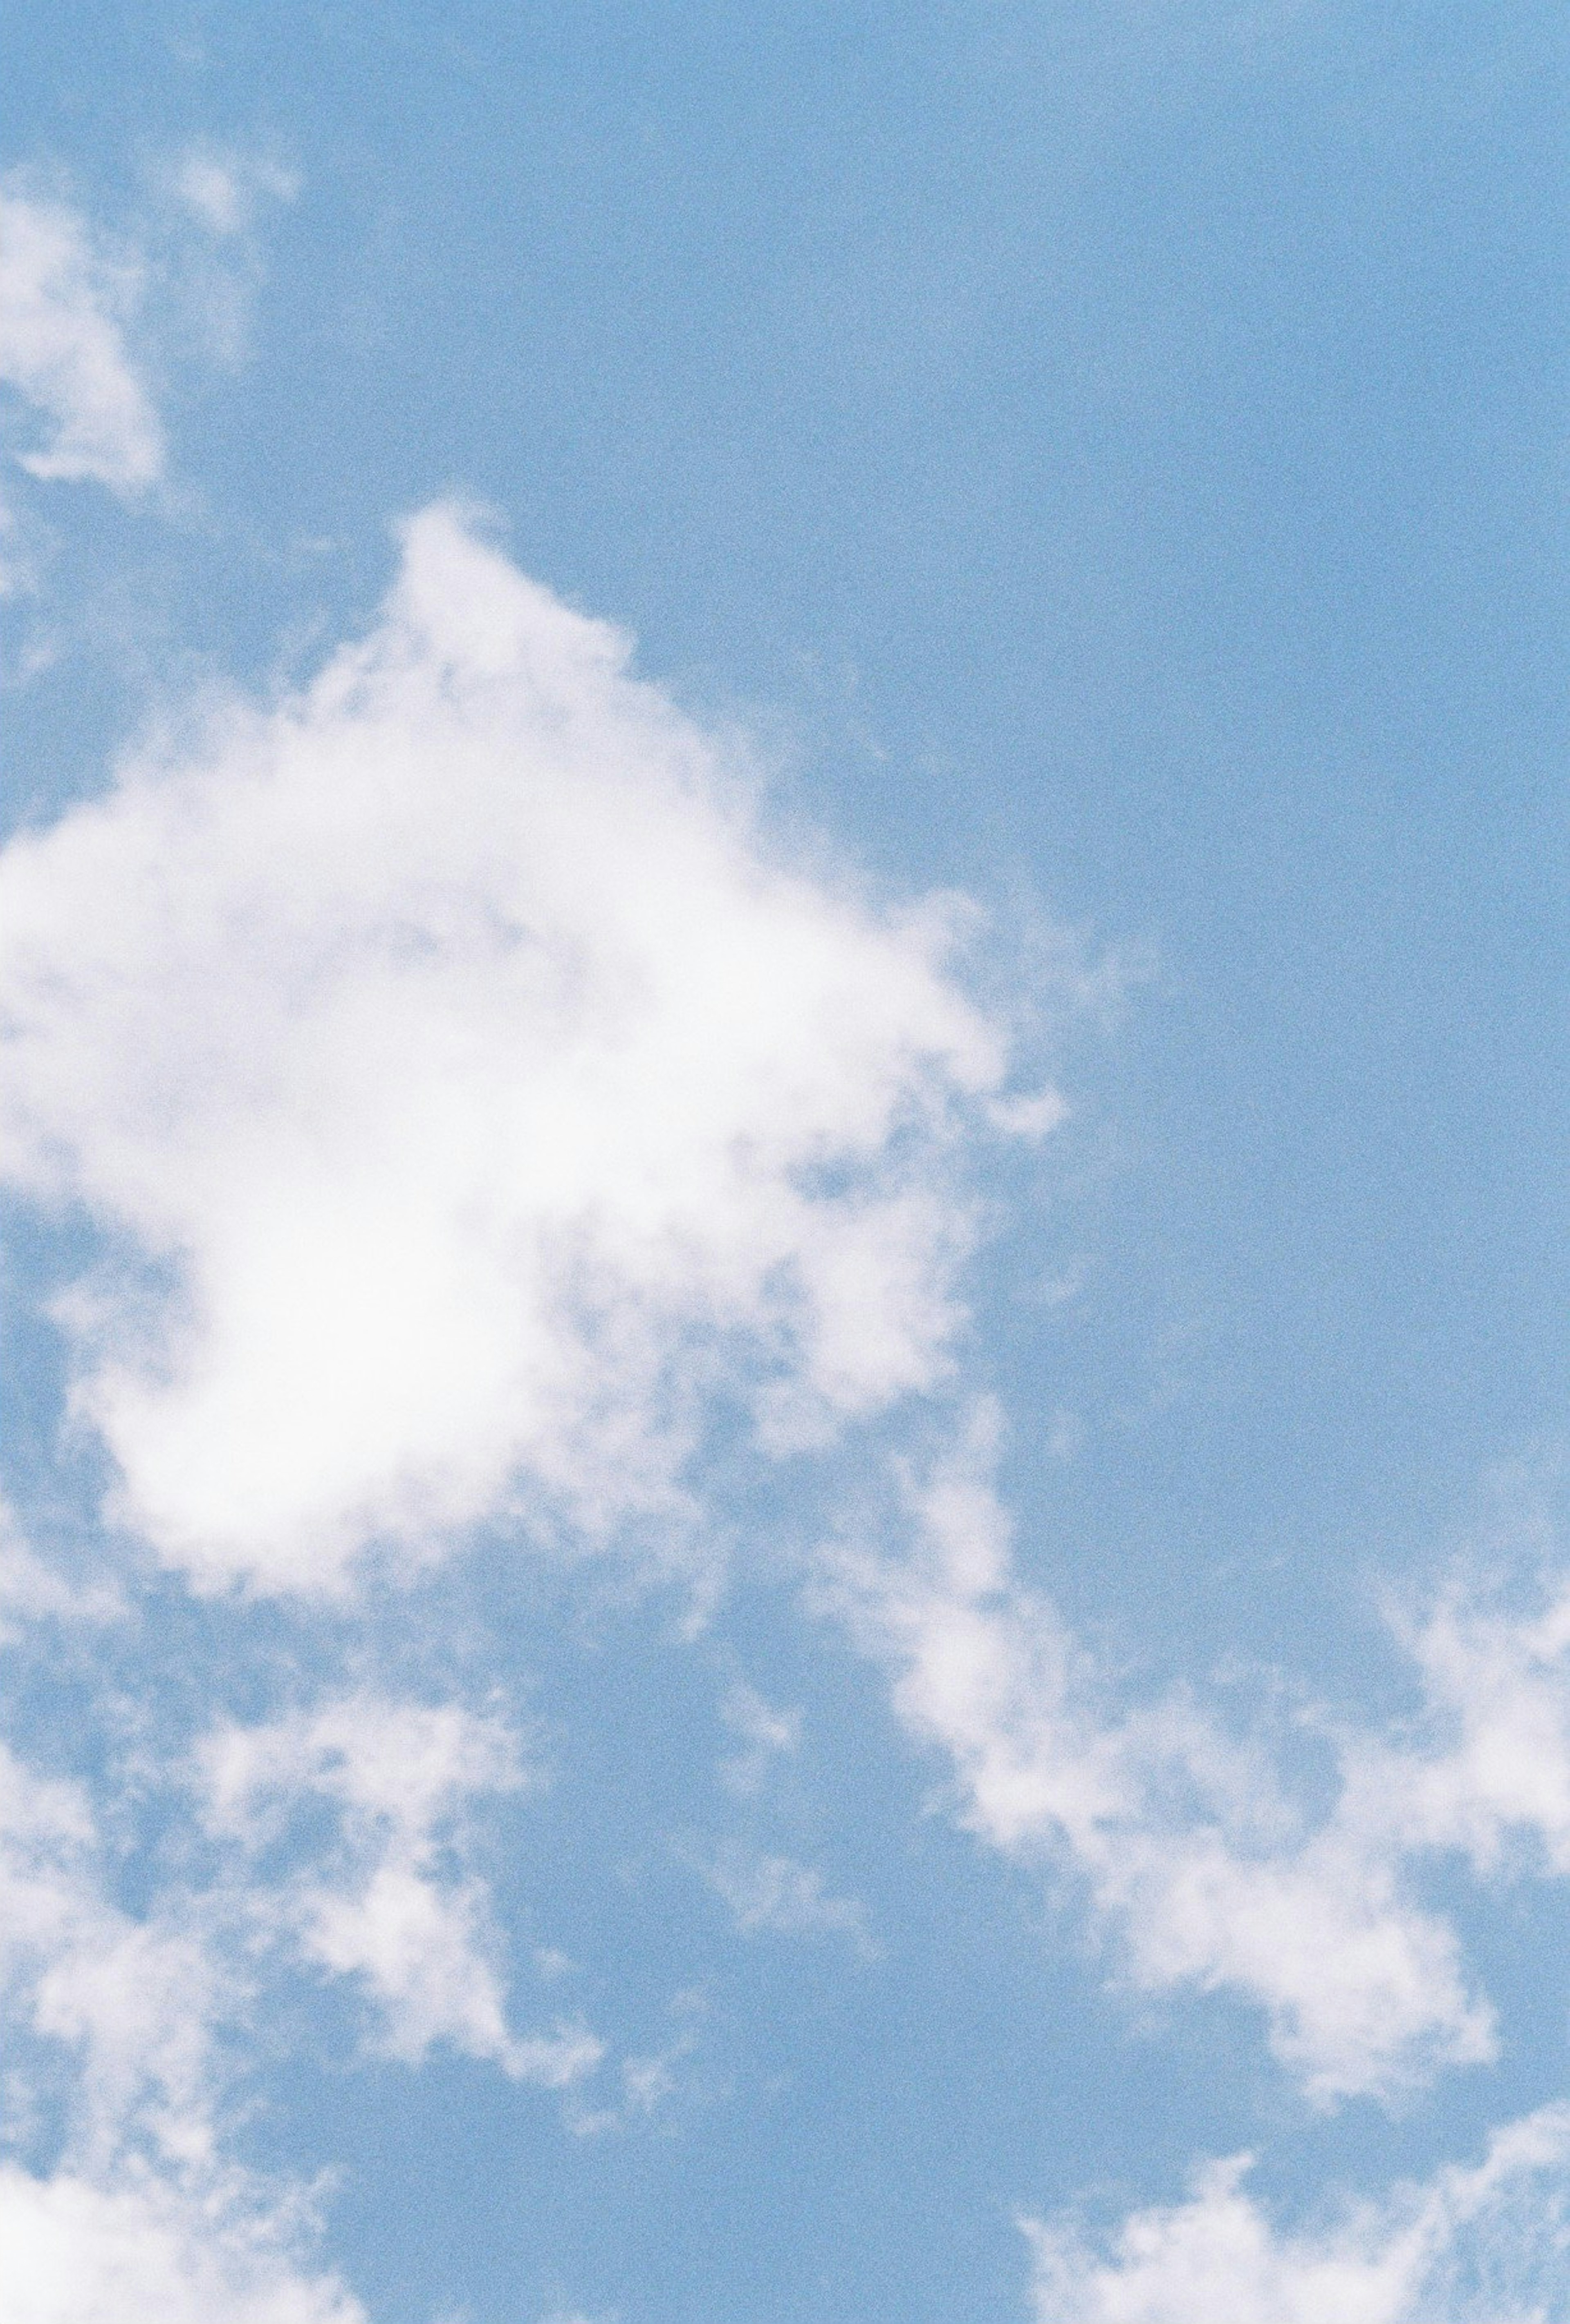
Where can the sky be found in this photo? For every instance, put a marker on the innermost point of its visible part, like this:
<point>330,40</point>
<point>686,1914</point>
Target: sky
<point>783,1163</point>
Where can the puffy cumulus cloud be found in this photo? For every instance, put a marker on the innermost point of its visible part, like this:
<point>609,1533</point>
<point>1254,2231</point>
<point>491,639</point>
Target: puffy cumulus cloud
<point>147,2252</point>
<point>471,1096</point>
<point>65,304</point>
<point>1485,2245</point>
<point>386,1900</point>
<point>1189,1843</point>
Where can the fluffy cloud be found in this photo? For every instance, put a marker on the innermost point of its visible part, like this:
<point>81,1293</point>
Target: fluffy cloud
<point>145,2252</point>
<point>476,1110</point>
<point>765,1735</point>
<point>1488,1772</point>
<point>387,1901</point>
<point>111,2021</point>
<point>64,306</point>
<point>1475,2246</point>
<point>123,2036</point>
<point>128,2003</point>
<point>472,1093</point>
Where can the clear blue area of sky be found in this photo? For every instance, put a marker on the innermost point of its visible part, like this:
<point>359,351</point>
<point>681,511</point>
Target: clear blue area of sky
<point>1117,456</point>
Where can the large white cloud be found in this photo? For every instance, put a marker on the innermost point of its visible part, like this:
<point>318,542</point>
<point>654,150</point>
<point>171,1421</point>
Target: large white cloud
<point>1484,2245</point>
<point>64,306</point>
<point>474,1094</point>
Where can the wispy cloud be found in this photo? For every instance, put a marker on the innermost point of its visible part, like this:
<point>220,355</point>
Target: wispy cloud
<point>67,302</point>
<point>32,1591</point>
<point>651,2082</point>
<point>114,2020</point>
<point>766,1734</point>
<point>1198,1854</point>
<point>227,189</point>
<point>387,1900</point>
<point>126,2004</point>
<point>776,1893</point>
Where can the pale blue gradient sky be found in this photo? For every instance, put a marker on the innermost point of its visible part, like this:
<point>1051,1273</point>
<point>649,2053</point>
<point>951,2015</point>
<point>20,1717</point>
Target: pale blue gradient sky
<point>1115,457</point>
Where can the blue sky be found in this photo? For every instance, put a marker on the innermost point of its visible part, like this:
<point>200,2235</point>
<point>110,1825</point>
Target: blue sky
<point>783,1113</point>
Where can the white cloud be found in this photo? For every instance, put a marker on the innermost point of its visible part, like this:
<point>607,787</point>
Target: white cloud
<point>650,2082</point>
<point>65,303</point>
<point>387,1899</point>
<point>146,2252</point>
<point>128,2003</point>
<point>132,2034</point>
<point>113,2019</point>
<point>474,1103</point>
<point>1192,1847</point>
<point>1487,2245</point>
<point>1189,1845</point>
<point>480,1092</point>
<point>212,276</point>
